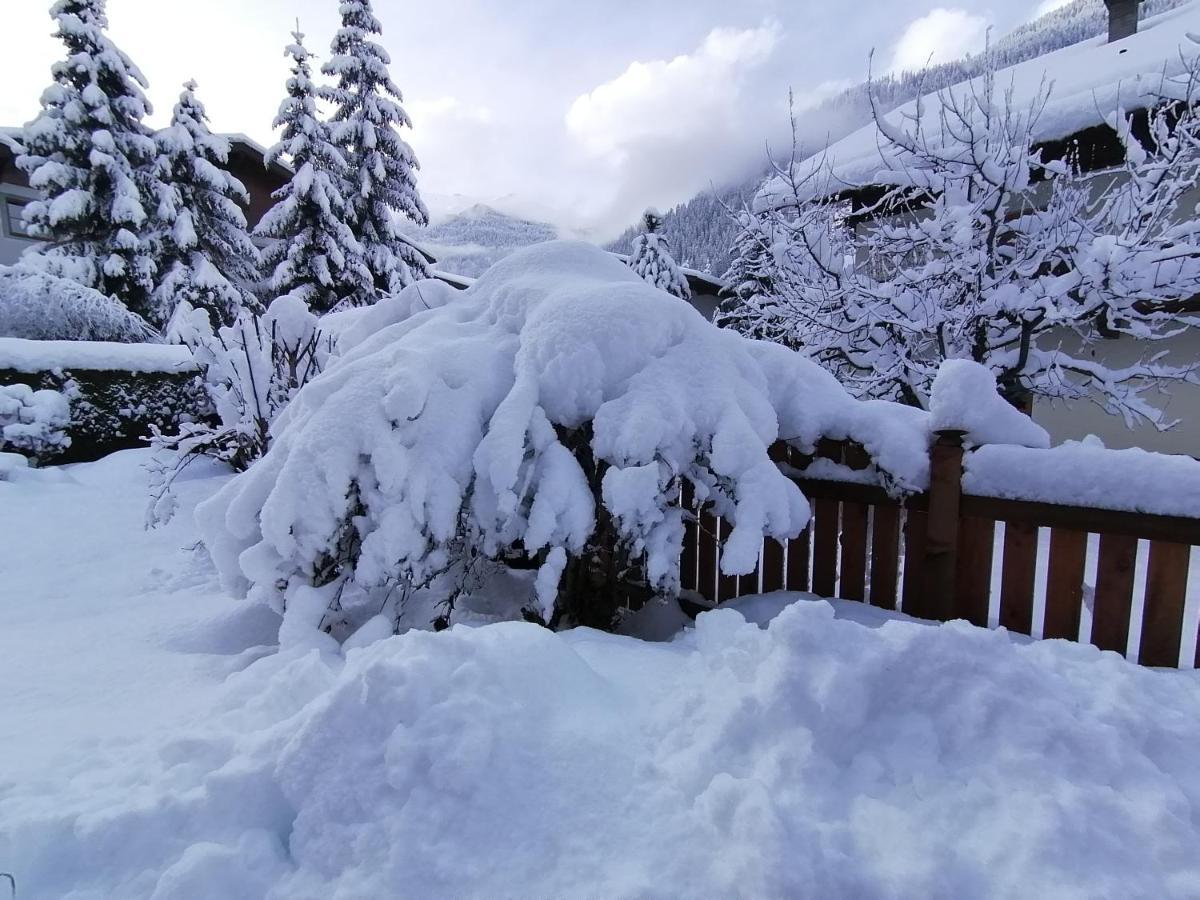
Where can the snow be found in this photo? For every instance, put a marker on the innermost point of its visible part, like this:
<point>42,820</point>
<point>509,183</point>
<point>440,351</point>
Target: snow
<point>1085,473</point>
<point>964,398</point>
<point>1088,81</point>
<point>790,747</point>
<point>44,356</point>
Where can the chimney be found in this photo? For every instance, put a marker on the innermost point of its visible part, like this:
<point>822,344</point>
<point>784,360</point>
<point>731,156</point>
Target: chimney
<point>1122,18</point>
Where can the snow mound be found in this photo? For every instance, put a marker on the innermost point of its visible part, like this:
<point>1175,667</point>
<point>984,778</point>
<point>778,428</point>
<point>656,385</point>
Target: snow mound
<point>32,356</point>
<point>814,757</point>
<point>964,398</point>
<point>504,416</point>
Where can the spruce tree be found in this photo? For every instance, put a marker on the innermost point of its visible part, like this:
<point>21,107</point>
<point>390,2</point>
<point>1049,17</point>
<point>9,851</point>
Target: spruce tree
<point>367,116</point>
<point>313,251</point>
<point>208,259</point>
<point>91,157</point>
<point>651,258</point>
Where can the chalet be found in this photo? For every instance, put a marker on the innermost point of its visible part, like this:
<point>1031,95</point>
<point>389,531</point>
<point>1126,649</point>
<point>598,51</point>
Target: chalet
<point>245,162</point>
<point>1088,82</point>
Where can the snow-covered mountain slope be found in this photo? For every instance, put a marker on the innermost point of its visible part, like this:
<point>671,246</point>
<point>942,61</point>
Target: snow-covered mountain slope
<point>700,231</point>
<point>470,241</point>
<point>790,748</point>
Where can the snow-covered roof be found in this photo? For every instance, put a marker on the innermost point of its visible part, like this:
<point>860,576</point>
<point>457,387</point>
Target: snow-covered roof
<point>9,137</point>
<point>1087,82</point>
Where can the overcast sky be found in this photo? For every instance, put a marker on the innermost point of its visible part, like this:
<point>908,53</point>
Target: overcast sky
<point>581,112</point>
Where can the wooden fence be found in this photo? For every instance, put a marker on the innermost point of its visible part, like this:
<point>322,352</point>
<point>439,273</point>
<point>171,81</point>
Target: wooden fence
<point>936,556</point>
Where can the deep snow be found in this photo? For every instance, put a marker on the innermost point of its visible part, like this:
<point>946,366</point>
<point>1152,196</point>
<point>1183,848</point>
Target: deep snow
<point>152,749</point>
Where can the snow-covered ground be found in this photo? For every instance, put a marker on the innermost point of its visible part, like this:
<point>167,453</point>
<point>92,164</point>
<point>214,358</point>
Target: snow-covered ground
<point>152,746</point>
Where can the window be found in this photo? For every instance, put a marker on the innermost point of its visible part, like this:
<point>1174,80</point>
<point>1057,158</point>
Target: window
<point>14,211</point>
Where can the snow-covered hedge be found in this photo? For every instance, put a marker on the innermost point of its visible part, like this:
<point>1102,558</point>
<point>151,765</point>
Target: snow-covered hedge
<point>551,412</point>
<point>40,306</point>
<point>116,392</point>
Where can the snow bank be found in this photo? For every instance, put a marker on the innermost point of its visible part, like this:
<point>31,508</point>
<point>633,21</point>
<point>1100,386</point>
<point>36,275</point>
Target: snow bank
<point>964,398</point>
<point>1087,474</point>
<point>500,417</point>
<point>43,356</point>
<point>816,757</point>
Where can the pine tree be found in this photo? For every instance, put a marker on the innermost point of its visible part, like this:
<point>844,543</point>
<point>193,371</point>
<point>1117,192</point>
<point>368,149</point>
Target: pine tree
<point>92,158</point>
<point>382,167</point>
<point>208,258</point>
<point>313,251</point>
<point>651,258</point>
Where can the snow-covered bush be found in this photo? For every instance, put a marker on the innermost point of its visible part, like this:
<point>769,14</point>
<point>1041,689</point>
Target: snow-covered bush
<point>33,422</point>
<point>252,369</point>
<point>40,306</point>
<point>547,415</point>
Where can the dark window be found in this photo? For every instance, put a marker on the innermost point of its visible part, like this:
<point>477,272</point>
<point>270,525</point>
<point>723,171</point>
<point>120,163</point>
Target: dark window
<point>14,211</point>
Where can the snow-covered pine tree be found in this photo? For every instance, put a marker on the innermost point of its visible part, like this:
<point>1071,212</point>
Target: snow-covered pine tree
<point>208,258</point>
<point>367,116</point>
<point>652,260</point>
<point>91,157</point>
<point>313,252</point>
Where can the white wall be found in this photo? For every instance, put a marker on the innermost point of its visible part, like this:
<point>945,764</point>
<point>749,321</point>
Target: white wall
<point>1080,418</point>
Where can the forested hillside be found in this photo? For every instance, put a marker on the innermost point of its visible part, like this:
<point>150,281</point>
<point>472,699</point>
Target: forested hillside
<point>701,232</point>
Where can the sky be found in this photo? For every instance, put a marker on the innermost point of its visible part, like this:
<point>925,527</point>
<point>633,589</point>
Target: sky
<point>581,113</point>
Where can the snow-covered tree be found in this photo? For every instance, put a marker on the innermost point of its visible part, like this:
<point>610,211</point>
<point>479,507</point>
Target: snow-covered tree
<point>208,259</point>
<point>651,258</point>
<point>313,252</point>
<point>978,248</point>
<point>381,167</point>
<point>91,157</point>
<point>549,415</point>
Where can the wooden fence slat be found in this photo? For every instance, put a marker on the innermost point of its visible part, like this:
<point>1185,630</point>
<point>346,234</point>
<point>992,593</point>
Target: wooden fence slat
<point>1166,589</point>
<point>688,559</point>
<point>1114,592</point>
<point>825,547</point>
<point>772,566</point>
<point>797,561</point>
<point>706,582</point>
<point>727,585</point>
<point>1064,583</point>
<point>854,552</point>
<point>941,542</point>
<point>973,570</point>
<point>885,555</point>
<point>913,600</point>
<point>748,584</point>
<point>1017,575</point>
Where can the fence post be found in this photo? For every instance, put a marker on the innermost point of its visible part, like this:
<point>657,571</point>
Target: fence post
<point>941,543</point>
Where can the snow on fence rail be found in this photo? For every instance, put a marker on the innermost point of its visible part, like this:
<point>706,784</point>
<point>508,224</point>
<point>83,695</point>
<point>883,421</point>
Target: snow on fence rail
<point>1113,572</point>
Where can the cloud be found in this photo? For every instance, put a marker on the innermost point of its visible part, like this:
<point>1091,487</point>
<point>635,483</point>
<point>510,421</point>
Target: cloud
<point>668,98</point>
<point>943,35</point>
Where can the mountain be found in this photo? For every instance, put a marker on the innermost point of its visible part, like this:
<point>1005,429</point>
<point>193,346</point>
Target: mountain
<point>469,241</point>
<point>701,231</point>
